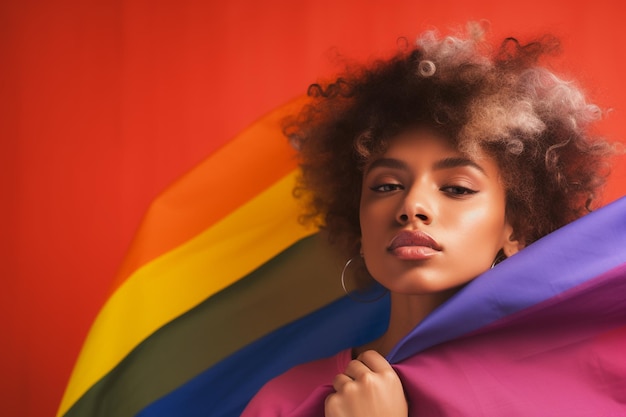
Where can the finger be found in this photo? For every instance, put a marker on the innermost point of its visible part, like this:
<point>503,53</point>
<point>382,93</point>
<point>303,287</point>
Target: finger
<point>332,406</point>
<point>340,381</point>
<point>356,369</point>
<point>374,361</point>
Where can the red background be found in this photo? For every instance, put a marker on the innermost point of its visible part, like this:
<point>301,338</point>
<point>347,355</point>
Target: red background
<point>104,103</point>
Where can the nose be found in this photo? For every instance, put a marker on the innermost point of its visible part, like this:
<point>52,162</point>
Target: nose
<point>404,218</point>
<point>415,207</point>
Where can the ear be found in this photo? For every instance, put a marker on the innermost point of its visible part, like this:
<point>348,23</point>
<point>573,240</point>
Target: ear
<point>512,243</point>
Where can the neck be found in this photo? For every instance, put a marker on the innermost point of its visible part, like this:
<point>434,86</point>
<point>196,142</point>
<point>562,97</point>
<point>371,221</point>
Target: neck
<point>407,311</point>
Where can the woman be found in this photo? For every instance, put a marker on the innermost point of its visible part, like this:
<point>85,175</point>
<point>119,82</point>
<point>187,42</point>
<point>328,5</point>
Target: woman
<point>426,170</point>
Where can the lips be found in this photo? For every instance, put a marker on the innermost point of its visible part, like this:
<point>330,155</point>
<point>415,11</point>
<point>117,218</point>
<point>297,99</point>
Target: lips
<point>413,245</point>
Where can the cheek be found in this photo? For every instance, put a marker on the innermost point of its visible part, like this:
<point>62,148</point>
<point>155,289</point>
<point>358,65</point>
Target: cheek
<point>485,220</point>
<point>368,227</point>
<point>376,222</point>
<point>483,226</point>
<point>372,214</point>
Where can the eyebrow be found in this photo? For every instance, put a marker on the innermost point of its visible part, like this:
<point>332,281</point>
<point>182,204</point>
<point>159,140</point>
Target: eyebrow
<point>456,162</point>
<point>446,163</point>
<point>387,163</point>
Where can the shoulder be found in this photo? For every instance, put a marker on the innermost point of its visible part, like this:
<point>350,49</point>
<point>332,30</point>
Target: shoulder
<point>287,391</point>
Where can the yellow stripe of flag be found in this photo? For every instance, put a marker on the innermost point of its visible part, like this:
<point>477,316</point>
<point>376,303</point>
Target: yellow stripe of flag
<point>177,281</point>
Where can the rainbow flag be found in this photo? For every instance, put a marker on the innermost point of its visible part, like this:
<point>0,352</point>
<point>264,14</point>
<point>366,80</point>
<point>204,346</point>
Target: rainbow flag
<point>214,254</point>
<point>223,289</point>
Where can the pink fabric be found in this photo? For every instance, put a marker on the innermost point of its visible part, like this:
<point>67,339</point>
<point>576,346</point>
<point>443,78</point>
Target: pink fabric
<point>300,388</point>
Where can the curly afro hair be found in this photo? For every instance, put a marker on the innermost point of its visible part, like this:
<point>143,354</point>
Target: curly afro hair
<point>499,101</point>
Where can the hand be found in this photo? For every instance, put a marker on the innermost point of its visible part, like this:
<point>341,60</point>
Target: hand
<point>369,387</point>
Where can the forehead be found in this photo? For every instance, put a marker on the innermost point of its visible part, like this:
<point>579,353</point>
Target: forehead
<point>426,146</point>
<point>424,139</point>
<point>418,140</point>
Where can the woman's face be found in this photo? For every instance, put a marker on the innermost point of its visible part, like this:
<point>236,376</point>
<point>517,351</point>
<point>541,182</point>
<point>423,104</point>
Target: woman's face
<point>431,219</point>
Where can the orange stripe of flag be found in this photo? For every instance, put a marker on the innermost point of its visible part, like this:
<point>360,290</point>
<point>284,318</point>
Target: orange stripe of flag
<point>170,221</point>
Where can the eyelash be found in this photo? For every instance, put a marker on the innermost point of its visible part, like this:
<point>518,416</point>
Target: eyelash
<point>379,188</point>
<point>453,190</point>
<point>463,190</point>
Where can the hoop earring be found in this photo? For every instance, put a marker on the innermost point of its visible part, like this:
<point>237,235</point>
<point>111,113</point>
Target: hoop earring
<point>376,290</point>
<point>499,258</point>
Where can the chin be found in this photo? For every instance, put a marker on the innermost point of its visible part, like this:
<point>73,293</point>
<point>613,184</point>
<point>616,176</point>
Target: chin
<point>423,285</point>
<point>422,288</point>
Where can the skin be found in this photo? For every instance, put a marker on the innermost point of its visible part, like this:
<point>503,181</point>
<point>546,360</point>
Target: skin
<point>431,221</point>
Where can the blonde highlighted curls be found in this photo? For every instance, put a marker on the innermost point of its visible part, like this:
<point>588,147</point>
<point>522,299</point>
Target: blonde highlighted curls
<point>500,101</point>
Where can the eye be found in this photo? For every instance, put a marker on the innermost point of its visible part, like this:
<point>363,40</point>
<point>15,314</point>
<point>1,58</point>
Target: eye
<point>458,191</point>
<point>386,188</point>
